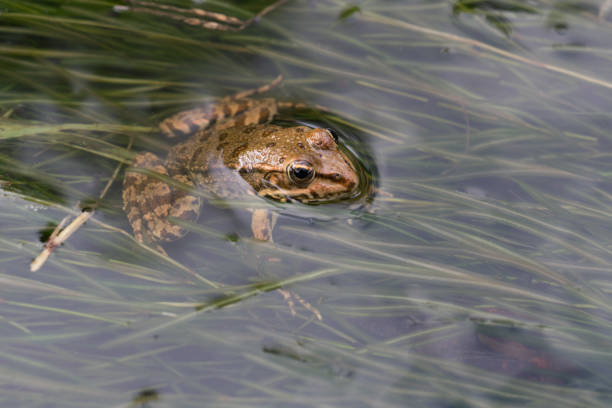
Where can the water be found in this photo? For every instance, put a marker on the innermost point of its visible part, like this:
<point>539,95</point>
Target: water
<point>477,275</point>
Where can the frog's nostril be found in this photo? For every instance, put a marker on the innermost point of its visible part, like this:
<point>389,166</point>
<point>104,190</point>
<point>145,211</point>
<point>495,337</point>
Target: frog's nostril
<point>337,176</point>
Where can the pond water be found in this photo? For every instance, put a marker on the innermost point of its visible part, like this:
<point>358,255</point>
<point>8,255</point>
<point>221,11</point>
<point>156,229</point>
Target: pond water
<point>476,275</point>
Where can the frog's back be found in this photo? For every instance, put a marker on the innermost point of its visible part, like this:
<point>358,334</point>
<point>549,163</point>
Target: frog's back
<point>230,147</point>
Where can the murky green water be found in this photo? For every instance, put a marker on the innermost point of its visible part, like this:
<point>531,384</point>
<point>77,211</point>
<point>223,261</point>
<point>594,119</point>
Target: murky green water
<point>478,275</point>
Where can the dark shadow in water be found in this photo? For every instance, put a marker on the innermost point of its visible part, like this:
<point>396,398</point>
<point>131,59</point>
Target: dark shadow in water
<point>524,354</point>
<point>144,398</point>
<point>45,233</point>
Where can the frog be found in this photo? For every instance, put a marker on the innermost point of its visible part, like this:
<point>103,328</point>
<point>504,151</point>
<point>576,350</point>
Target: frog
<point>232,150</point>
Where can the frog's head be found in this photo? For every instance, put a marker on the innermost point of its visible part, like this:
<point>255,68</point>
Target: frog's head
<point>312,169</point>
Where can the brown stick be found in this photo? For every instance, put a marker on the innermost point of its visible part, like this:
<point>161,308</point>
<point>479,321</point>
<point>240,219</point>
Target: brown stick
<point>221,22</point>
<point>202,13</point>
<point>59,235</point>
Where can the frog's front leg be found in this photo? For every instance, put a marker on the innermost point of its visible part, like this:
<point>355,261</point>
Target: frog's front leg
<point>149,202</point>
<point>262,224</point>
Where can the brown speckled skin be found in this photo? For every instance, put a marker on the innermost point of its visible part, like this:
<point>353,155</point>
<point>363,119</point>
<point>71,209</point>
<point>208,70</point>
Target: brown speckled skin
<point>234,152</point>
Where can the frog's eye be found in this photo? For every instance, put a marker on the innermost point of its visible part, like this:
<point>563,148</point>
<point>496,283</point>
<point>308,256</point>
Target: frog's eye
<point>300,172</point>
<point>333,133</point>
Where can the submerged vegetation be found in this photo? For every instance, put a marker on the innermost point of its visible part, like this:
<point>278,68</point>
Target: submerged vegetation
<point>478,276</point>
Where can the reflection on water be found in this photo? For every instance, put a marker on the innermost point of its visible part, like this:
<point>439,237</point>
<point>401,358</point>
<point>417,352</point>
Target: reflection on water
<point>478,275</point>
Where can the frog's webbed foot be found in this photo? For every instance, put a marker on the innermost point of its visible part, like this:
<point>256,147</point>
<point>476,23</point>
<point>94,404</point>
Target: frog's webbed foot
<point>289,296</point>
<point>149,202</point>
<point>194,16</point>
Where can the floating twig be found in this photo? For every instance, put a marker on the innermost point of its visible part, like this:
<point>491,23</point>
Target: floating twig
<point>61,234</point>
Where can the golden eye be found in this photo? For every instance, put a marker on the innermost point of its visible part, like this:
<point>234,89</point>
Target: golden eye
<point>300,172</point>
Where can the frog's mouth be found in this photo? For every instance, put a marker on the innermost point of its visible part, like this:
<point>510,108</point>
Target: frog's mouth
<point>306,195</point>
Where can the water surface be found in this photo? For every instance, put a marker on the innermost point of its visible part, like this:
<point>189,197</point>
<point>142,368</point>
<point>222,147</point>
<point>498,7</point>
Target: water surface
<point>478,275</point>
